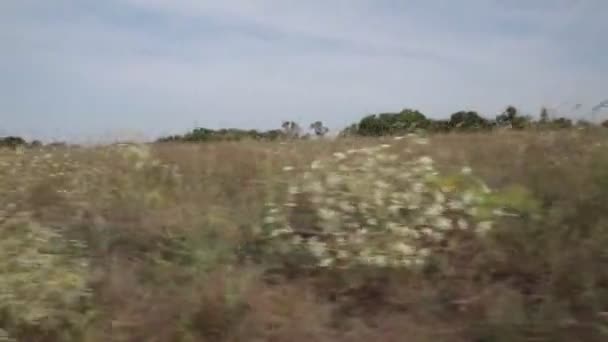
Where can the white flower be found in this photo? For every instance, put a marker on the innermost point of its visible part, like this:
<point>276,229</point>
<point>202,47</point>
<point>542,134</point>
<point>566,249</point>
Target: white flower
<point>422,141</point>
<point>333,180</point>
<point>316,187</point>
<point>316,247</point>
<point>403,248</point>
<point>385,146</point>
<point>483,227</point>
<point>288,168</point>
<point>434,210</point>
<point>399,138</point>
<point>466,170</point>
<point>455,205</point>
<point>425,160</point>
<point>269,220</point>
<point>439,197</point>
<point>340,155</point>
<point>462,224</point>
<point>343,255</point>
<point>347,207</point>
<point>395,209</point>
<point>326,214</point>
<point>382,184</point>
<point>443,223</point>
<point>326,262</point>
<point>468,197</point>
<point>379,260</point>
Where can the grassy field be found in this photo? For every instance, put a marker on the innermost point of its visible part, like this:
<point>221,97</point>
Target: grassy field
<point>497,236</point>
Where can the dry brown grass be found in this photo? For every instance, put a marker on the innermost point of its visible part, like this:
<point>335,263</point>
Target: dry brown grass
<point>165,262</point>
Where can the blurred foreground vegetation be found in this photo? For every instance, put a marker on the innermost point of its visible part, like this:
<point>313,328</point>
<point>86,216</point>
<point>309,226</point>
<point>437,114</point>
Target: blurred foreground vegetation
<point>489,235</point>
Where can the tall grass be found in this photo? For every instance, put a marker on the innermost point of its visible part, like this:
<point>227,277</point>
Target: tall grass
<point>459,237</point>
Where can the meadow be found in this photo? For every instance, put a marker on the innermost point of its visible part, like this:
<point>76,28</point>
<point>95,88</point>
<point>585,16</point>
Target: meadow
<point>490,236</point>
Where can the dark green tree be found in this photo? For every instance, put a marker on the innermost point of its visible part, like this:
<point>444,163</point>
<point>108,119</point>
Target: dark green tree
<point>467,120</point>
<point>319,129</point>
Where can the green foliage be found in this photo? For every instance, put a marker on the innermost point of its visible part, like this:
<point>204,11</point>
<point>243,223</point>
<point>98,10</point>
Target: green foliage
<point>231,134</point>
<point>407,120</point>
<point>468,120</point>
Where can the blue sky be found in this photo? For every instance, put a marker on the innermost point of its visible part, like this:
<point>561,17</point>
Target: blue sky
<point>90,68</point>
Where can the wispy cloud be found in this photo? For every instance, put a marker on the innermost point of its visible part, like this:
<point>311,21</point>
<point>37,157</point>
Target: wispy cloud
<point>85,67</point>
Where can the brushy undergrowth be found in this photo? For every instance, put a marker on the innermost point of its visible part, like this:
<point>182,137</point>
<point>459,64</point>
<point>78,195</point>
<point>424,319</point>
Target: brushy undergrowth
<point>458,237</point>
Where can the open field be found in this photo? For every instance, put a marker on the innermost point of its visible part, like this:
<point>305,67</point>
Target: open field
<point>498,236</point>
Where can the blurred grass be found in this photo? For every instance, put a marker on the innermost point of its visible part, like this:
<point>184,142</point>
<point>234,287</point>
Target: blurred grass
<point>170,233</point>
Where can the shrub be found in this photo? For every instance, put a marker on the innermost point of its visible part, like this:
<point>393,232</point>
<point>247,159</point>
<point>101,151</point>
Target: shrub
<point>374,207</point>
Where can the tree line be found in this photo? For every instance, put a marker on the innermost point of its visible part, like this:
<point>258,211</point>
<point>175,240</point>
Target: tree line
<point>405,121</point>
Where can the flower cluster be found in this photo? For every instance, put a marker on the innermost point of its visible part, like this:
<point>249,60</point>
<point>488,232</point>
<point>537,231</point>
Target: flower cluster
<point>376,206</point>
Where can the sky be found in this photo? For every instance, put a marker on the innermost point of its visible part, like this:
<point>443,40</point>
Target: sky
<point>77,69</point>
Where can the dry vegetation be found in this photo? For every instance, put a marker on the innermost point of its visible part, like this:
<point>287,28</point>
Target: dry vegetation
<point>246,241</point>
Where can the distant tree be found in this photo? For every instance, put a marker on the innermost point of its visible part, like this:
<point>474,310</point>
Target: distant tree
<point>561,123</point>
<point>36,143</point>
<point>605,124</point>
<point>12,142</point>
<point>318,128</point>
<point>544,115</point>
<point>291,129</point>
<point>439,126</point>
<point>511,118</point>
<point>392,123</point>
<point>582,123</point>
<point>467,120</point>
<point>507,117</point>
<point>350,130</point>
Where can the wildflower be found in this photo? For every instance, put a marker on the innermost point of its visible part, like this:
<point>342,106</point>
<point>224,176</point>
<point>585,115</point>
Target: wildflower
<point>379,260</point>
<point>443,223</point>
<point>422,141</point>
<point>269,220</point>
<point>340,155</point>
<point>316,247</point>
<point>385,146</point>
<point>288,168</point>
<point>315,187</point>
<point>395,209</point>
<point>466,171</point>
<point>327,214</point>
<point>343,254</point>
<point>434,210</point>
<point>296,240</point>
<point>462,224</point>
<point>403,248</point>
<point>382,184</point>
<point>326,262</point>
<point>439,197</point>
<point>483,227</point>
<point>333,180</point>
<point>315,165</point>
<point>425,160</point>
<point>399,138</point>
<point>347,207</point>
<point>468,197</point>
<point>418,187</point>
<point>455,205</point>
